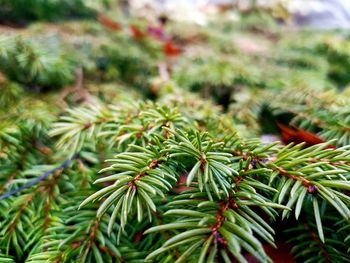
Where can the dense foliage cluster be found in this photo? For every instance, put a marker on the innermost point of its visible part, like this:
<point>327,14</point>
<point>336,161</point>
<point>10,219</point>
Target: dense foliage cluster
<point>20,12</point>
<point>118,163</point>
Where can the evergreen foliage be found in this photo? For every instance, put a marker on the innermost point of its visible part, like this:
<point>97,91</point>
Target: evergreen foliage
<point>126,166</point>
<point>34,64</point>
<point>24,11</point>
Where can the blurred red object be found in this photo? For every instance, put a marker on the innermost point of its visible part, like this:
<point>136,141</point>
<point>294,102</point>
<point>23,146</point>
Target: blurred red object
<point>172,50</point>
<point>138,237</point>
<point>107,22</point>
<point>299,135</point>
<point>181,184</point>
<point>136,32</point>
<point>280,255</point>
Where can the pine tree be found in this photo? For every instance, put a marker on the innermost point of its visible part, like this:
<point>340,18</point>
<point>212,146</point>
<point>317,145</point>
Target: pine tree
<point>124,166</point>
